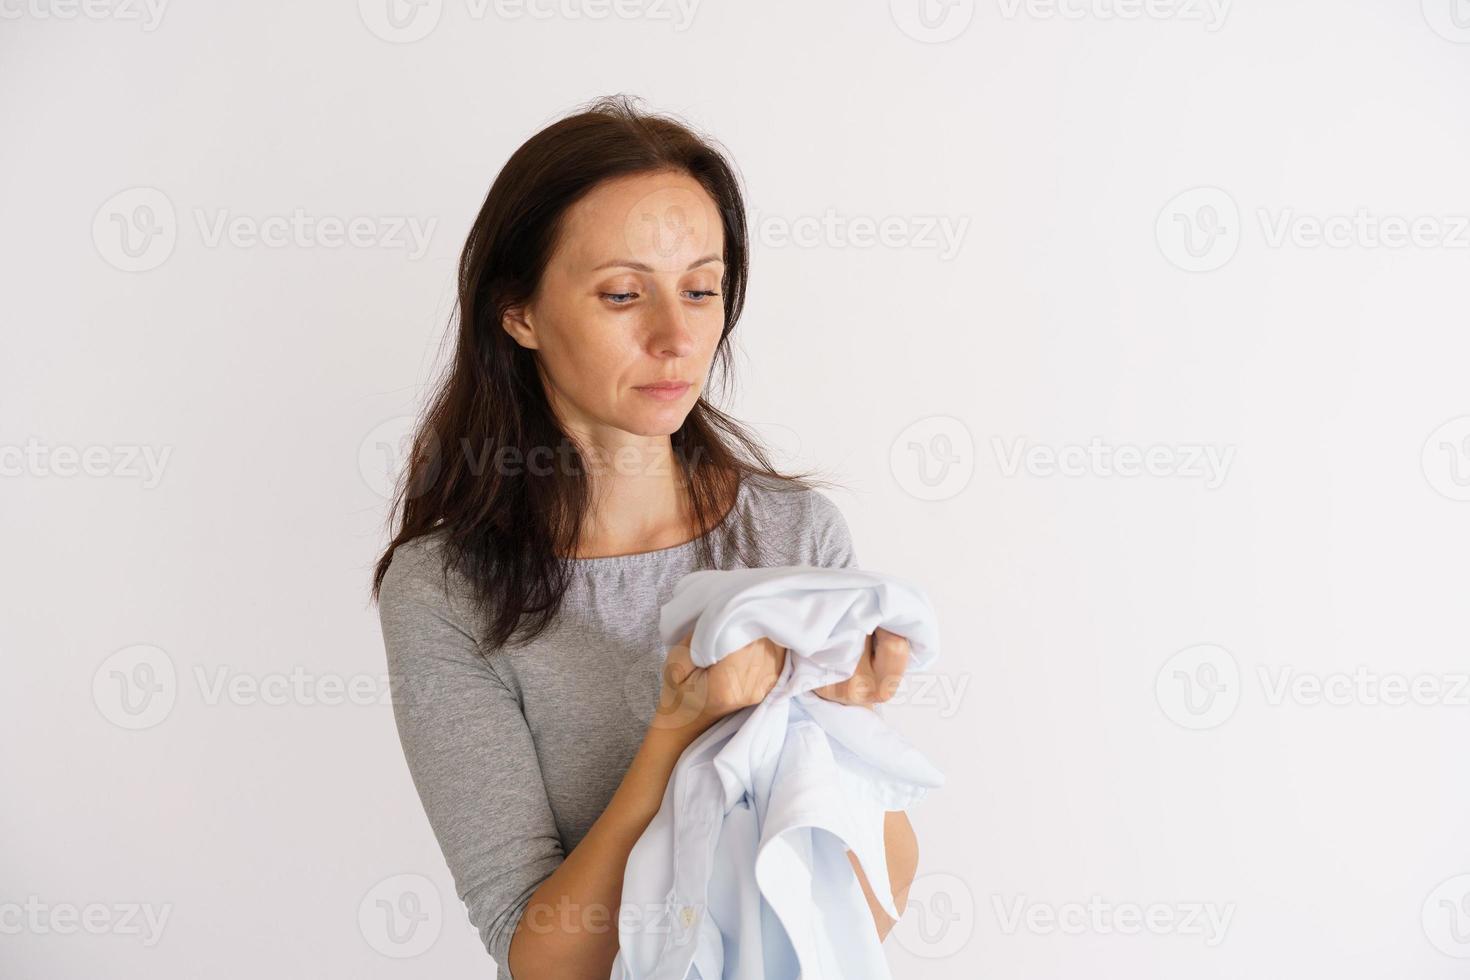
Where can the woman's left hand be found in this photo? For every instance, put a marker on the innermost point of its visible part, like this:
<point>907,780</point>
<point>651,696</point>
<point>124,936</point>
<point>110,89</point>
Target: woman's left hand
<point>879,671</point>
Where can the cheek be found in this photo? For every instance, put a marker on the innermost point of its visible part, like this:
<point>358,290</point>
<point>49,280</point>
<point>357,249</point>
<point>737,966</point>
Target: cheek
<point>589,354</point>
<point>708,327</point>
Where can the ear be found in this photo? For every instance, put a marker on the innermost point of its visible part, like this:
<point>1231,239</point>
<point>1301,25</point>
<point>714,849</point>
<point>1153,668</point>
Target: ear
<point>517,323</point>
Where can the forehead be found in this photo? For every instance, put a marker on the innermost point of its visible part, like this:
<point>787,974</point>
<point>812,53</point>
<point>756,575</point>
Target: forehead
<point>664,220</point>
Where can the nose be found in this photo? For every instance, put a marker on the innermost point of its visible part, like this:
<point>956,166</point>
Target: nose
<point>668,329</point>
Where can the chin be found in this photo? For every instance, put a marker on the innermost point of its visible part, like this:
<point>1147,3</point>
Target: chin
<point>664,423</point>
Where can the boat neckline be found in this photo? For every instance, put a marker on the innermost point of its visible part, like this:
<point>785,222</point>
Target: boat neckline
<point>658,554</point>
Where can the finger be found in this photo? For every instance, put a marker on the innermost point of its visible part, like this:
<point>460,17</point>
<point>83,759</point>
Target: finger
<point>778,661</point>
<point>837,693</point>
<point>679,701</point>
<point>833,691</point>
<point>763,669</point>
<point>890,660</point>
<point>751,671</point>
<point>863,685</point>
<point>858,687</point>
<point>679,662</point>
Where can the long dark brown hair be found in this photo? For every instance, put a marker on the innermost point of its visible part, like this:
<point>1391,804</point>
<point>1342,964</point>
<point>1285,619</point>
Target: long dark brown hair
<point>507,528</point>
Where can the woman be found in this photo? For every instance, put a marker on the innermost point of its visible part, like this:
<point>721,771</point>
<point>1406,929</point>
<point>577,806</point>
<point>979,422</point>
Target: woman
<point>569,471</point>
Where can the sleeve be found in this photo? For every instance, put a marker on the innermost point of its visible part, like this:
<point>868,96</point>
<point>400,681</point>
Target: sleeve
<point>833,541</point>
<point>469,751</point>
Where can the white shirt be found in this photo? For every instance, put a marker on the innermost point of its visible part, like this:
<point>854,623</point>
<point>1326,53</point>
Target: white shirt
<point>743,873</point>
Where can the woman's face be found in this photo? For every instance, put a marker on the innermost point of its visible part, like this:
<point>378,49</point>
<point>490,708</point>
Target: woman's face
<point>631,297</point>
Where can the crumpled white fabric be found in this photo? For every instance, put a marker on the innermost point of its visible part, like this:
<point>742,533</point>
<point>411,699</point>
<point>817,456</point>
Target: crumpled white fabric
<point>743,873</point>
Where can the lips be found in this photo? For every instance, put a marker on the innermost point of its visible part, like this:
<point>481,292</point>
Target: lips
<point>665,391</point>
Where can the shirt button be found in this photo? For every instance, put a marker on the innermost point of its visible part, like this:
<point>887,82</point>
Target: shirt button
<point>686,916</point>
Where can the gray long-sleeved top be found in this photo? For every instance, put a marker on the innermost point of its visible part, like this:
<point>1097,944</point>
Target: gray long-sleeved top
<point>515,754</point>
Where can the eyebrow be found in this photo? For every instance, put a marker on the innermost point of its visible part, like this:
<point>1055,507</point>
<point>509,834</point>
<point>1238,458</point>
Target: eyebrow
<point>639,266</point>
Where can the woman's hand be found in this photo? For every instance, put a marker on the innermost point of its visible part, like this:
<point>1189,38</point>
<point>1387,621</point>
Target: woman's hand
<point>693,698</point>
<point>879,671</point>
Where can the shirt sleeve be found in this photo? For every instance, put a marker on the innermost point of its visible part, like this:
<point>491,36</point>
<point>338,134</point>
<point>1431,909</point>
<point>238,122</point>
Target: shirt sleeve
<point>834,548</point>
<point>468,748</point>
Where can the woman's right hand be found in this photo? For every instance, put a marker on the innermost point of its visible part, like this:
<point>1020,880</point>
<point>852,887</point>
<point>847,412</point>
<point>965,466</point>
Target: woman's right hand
<point>692,698</point>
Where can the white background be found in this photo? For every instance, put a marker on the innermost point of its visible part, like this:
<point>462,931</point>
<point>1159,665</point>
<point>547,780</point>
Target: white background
<point>1114,730</point>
